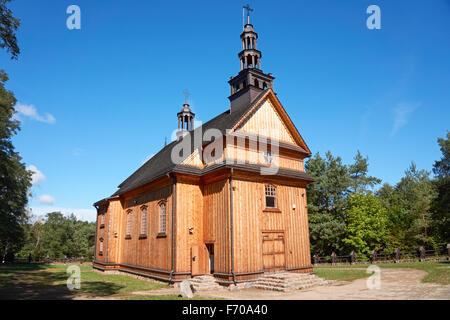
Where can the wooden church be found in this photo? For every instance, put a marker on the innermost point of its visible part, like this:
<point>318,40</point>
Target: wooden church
<point>233,206</point>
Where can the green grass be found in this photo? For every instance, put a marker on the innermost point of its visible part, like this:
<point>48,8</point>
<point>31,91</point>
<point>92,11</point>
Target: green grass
<point>343,275</point>
<point>50,282</point>
<point>438,272</point>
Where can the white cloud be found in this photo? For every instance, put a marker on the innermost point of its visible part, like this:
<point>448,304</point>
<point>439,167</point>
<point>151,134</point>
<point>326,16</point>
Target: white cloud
<point>80,214</point>
<point>77,152</point>
<point>31,112</point>
<point>37,175</point>
<point>46,199</point>
<point>401,114</point>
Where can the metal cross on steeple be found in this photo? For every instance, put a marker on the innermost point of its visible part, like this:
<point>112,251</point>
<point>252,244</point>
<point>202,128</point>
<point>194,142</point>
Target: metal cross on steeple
<point>187,94</point>
<point>248,12</point>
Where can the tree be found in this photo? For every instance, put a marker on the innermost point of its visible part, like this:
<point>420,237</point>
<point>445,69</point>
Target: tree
<point>326,202</point>
<point>441,167</point>
<point>360,180</point>
<point>366,224</point>
<point>15,180</point>
<point>8,27</point>
<point>417,193</point>
<point>397,219</point>
<point>441,205</point>
<point>59,236</point>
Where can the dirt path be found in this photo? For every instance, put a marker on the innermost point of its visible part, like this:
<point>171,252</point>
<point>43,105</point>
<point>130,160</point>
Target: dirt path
<point>396,284</point>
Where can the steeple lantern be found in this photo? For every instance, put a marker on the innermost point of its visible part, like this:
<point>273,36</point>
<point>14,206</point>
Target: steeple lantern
<point>185,119</point>
<point>251,80</point>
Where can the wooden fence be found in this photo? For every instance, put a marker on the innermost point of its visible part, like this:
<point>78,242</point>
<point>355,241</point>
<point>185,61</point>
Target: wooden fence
<point>48,261</point>
<point>422,254</point>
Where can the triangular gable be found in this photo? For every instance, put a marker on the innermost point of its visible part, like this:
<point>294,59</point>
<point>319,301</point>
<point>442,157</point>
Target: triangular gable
<point>267,117</point>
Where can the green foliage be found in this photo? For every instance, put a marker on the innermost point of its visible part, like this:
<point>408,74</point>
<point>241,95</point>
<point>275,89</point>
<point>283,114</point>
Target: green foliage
<point>8,28</point>
<point>58,237</point>
<point>442,167</point>
<point>441,206</point>
<point>328,198</point>
<point>326,202</point>
<point>345,215</point>
<point>366,224</point>
<point>15,180</point>
<point>360,180</point>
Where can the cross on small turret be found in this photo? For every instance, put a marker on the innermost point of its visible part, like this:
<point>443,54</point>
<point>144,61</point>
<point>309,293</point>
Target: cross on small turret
<point>187,94</point>
<point>248,12</point>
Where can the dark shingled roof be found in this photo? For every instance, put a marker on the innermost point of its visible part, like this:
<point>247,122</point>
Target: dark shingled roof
<point>161,163</point>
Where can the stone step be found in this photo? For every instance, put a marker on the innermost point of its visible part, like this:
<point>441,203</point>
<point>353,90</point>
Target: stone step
<point>203,283</point>
<point>284,281</point>
<point>267,287</point>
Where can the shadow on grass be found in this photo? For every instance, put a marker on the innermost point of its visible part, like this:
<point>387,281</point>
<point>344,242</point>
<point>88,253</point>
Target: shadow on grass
<point>100,289</point>
<point>44,282</point>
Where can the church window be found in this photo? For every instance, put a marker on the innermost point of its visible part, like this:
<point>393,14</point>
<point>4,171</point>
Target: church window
<point>162,218</point>
<point>102,221</point>
<point>271,200</point>
<point>100,251</point>
<point>128,229</point>
<point>143,222</point>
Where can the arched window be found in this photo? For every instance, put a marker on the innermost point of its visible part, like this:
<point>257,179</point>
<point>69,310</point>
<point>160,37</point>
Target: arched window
<point>162,218</point>
<point>102,220</point>
<point>249,61</point>
<point>128,229</point>
<point>100,250</point>
<point>271,196</point>
<point>144,222</point>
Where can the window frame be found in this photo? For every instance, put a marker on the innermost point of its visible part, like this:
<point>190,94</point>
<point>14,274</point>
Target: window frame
<point>128,226</point>
<point>271,194</point>
<point>162,233</point>
<point>143,231</point>
<point>100,247</point>
<point>102,220</point>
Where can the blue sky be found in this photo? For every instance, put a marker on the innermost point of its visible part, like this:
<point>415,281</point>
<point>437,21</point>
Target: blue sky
<point>97,102</point>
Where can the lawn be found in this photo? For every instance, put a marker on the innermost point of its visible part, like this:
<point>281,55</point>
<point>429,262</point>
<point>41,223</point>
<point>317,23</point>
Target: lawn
<point>50,282</point>
<point>438,272</point>
<point>340,274</point>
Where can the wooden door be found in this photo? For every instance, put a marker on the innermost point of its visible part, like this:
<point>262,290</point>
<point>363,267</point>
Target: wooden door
<point>199,260</point>
<point>210,254</point>
<point>273,251</point>
<point>195,261</point>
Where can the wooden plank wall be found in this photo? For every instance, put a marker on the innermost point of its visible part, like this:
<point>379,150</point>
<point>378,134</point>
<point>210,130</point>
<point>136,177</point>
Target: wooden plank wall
<point>247,154</point>
<point>250,221</point>
<point>154,251</point>
<point>101,233</point>
<point>216,213</point>
<point>114,230</point>
<point>266,121</point>
<point>189,215</point>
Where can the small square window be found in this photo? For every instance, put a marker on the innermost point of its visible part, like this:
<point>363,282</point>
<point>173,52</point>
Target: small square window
<point>271,200</point>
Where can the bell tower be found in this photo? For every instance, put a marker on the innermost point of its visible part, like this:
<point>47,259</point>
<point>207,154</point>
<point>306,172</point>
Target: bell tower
<point>185,119</point>
<point>251,80</point>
